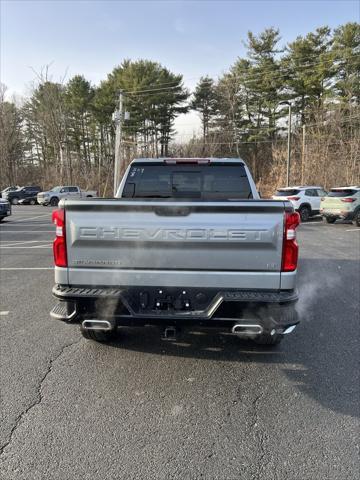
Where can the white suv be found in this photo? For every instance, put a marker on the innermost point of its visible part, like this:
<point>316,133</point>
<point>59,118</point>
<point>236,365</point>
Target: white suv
<point>306,199</point>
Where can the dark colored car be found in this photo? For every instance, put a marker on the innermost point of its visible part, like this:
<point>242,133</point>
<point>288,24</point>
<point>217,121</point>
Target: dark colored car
<point>9,189</point>
<point>24,192</point>
<point>5,209</point>
<point>28,201</point>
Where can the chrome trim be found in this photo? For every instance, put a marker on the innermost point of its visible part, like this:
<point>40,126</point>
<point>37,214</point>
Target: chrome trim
<point>244,329</point>
<point>103,325</point>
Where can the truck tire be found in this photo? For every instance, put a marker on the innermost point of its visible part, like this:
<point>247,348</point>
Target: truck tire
<point>14,200</point>
<point>104,336</point>
<point>330,219</point>
<point>54,201</point>
<point>305,213</point>
<point>267,339</point>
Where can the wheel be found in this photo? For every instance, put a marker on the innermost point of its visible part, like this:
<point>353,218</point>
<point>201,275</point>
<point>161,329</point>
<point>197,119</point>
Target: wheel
<point>330,219</point>
<point>14,200</point>
<point>1,219</point>
<point>32,201</point>
<point>305,213</point>
<point>54,201</point>
<point>267,339</point>
<point>102,336</point>
<point>357,218</point>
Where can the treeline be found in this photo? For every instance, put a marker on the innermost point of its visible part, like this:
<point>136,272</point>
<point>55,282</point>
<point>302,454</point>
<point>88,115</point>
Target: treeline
<point>65,132</point>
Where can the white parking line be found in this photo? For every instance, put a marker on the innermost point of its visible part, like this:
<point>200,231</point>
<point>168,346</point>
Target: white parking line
<point>24,225</point>
<point>42,244</point>
<point>25,268</point>
<point>353,230</point>
<point>13,243</point>
<point>31,218</point>
<point>4,312</point>
<point>27,248</point>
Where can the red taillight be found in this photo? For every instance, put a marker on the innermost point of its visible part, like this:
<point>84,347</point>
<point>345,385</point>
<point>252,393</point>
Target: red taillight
<point>348,200</point>
<point>293,198</point>
<point>290,246</point>
<point>59,246</point>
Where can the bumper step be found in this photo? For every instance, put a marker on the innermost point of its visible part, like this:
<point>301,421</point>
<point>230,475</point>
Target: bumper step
<point>61,311</point>
<point>65,292</point>
<point>62,291</point>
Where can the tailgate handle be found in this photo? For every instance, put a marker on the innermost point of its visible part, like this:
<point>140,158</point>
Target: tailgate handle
<point>172,211</point>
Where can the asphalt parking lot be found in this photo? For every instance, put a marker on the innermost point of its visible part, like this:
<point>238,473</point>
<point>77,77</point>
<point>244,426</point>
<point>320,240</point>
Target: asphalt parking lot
<point>207,406</point>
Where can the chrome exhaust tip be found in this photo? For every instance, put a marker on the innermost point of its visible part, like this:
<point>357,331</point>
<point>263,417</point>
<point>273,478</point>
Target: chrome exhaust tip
<point>244,329</point>
<point>103,325</point>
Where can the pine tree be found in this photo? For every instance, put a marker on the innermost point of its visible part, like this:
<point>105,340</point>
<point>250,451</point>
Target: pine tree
<point>154,96</point>
<point>11,140</point>
<point>205,102</point>
<point>346,51</point>
<point>309,69</point>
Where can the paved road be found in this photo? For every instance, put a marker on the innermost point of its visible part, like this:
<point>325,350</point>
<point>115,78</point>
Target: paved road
<point>208,407</point>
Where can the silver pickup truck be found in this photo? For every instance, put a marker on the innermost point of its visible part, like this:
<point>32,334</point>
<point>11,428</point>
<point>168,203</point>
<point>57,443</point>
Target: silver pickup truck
<point>188,242</point>
<point>53,196</point>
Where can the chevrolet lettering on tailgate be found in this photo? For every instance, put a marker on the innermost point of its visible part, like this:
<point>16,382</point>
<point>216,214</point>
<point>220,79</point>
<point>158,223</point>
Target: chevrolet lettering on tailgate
<point>124,233</point>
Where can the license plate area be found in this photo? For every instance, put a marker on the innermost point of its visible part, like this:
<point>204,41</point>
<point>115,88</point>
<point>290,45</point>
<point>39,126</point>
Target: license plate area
<point>165,300</point>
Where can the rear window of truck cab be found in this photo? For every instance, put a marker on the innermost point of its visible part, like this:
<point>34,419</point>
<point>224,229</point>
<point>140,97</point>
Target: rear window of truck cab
<point>206,182</point>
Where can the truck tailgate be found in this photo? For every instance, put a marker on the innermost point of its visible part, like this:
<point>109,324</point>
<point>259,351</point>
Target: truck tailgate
<point>213,244</point>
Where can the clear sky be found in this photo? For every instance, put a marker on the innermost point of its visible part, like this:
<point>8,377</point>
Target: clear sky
<point>190,37</point>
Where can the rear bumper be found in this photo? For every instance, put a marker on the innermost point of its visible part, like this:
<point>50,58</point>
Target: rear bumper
<point>338,214</point>
<point>123,307</point>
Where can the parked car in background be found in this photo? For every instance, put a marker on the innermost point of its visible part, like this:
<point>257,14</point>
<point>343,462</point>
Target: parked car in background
<point>305,199</point>
<point>342,203</point>
<point>53,196</point>
<point>28,201</point>
<point>9,189</point>
<point>14,196</point>
<point>5,209</point>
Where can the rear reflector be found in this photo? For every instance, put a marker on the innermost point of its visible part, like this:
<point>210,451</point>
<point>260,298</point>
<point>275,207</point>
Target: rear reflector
<point>59,245</point>
<point>290,246</point>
